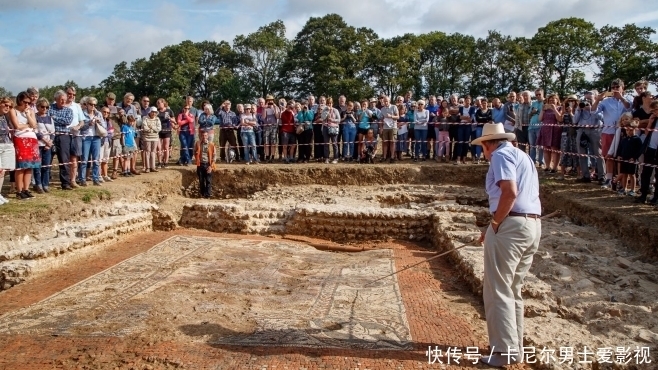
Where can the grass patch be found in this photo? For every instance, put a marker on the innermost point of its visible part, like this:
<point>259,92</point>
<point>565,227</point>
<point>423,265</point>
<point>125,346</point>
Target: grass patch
<point>16,206</point>
<point>87,195</point>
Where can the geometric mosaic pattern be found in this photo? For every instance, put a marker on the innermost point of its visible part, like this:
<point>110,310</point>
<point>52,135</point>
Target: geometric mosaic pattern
<point>232,292</point>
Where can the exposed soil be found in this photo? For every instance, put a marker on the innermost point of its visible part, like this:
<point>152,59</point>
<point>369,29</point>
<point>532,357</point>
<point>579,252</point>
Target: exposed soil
<point>596,271</point>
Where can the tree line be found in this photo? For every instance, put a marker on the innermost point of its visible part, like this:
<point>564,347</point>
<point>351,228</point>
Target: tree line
<point>329,57</point>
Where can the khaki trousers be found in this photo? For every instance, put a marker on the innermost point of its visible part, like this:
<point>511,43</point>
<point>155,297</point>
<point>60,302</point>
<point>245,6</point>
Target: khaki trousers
<point>507,259</point>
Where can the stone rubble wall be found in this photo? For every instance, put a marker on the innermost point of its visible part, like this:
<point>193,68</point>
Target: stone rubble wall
<point>65,242</point>
<point>334,223</point>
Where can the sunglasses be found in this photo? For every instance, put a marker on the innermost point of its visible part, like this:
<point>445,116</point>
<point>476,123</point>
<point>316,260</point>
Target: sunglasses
<point>44,106</point>
<point>106,112</point>
<point>27,102</point>
<point>91,105</point>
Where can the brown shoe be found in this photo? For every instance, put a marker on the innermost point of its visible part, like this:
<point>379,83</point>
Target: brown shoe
<point>146,170</point>
<point>115,175</point>
<point>154,170</point>
<point>135,172</point>
<point>74,185</point>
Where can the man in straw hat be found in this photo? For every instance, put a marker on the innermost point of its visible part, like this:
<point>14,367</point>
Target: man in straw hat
<point>510,241</point>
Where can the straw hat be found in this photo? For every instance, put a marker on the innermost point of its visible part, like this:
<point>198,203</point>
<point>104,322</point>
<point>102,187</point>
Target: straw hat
<point>493,131</point>
<point>269,97</point>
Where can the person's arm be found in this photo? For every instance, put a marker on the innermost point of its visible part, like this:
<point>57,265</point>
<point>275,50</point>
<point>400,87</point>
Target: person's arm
<point>558,116</point>
<point>508,194</point>
<point>576,117</point>
<point>396,114</point>
<point>541,114</point>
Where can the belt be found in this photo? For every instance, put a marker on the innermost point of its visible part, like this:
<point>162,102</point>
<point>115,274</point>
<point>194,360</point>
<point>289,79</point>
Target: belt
<point>528,215</point>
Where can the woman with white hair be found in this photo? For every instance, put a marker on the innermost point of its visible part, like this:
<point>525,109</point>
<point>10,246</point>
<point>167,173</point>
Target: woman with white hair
<point>207,121</point>
<point>151,128</point>
<point>91,131</point>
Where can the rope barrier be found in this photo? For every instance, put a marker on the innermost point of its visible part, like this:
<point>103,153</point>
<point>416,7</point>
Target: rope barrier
<point>379,141</point>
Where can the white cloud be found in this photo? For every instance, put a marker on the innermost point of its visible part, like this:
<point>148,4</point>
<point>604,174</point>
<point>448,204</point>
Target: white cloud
<point>87,57</point>
<point>87,43</point>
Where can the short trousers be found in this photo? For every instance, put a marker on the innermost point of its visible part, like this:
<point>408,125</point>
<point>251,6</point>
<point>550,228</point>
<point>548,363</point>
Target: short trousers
<point>606,143</point>
<point>288,138</point>
<point>389,135</point>
<point>362,131</point>
<point>269,135</point>
<point>105,151</point>
<point>7,157</point>
<point>129,150</point>
<point>76,146</point>
<point>116,149</point>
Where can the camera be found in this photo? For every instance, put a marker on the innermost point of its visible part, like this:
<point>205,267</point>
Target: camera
<point>583,104</point>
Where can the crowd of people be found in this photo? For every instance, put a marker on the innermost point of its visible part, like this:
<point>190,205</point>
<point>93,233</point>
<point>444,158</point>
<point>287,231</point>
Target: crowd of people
<point>597,137</point>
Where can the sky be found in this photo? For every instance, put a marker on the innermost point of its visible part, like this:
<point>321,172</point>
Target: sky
<point>48,42</point>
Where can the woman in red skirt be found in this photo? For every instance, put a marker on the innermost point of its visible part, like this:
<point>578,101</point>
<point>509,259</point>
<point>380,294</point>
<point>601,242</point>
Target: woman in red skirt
<point>26,145</point>
<point>550,133</point>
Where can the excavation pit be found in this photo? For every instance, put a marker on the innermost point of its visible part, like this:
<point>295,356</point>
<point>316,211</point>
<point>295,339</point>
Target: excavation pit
<point>285,266</point>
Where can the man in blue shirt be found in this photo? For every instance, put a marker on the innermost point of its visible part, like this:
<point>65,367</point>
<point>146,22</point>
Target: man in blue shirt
<point>612,105</point>
<point>498,111</point>
<point>63,118</point>
<point>510,241</point>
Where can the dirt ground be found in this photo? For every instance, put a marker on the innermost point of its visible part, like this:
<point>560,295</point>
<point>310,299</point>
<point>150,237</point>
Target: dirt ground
<point>596,269</point>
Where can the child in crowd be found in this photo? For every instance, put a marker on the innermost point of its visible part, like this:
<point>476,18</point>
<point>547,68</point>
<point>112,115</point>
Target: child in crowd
<point>128,143</point>
<point>204,156</point>
<point>370,147</point>
<point>443,137</point>
<point>628,152</point>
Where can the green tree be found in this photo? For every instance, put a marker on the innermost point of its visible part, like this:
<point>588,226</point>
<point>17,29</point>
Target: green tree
<point>262,55</point>
<point>561,47</point>
<point>390,65</point>
<point>503,66</point>
<point>327,58</point>
<point>626,52</point>
<point>448,63</point>
<point>216,65</point>
<point>4,92</point>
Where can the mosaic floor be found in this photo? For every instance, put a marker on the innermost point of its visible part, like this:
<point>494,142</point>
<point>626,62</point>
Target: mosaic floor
<point>232,292</point>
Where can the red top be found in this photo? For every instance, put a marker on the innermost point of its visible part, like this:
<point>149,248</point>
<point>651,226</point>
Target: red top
<point>288,121</point>
<point>185,122</point>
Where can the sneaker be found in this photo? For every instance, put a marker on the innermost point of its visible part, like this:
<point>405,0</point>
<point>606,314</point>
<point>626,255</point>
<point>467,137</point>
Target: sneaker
<point>326,161</point>
<point>27,194</point>
<point>456,163</point>
<point>3,200</point>
<point>84,183</point>
<point>334,161</point>
<point>97,183</point>
<point>607,184</point>
<point>146,171</point>
<point>584,180</point>
<point>631,193</point>
<point>38,189</point>
<point>107,179</point>
<point>21,196</point>
<point>621,191</point>
<point>74,185</point>
<point>46,189</point>
<point>154,170</point>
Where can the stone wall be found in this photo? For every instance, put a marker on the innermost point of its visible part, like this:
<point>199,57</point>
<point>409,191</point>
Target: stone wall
<point>329,222</point>
<point>70,241</point>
